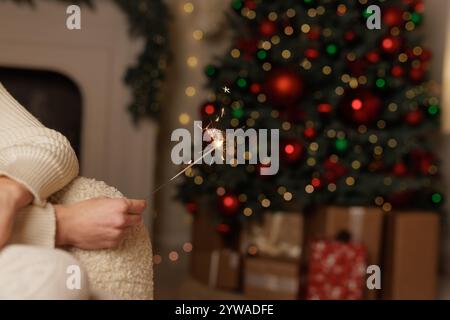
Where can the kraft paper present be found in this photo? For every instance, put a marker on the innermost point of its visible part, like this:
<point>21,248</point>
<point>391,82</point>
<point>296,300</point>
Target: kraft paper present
<point>217,268</point>
<point>410,269</point>
<point>271,278</point>
<point>279,235</point>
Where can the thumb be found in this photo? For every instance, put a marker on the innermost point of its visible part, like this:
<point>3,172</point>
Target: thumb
<point>136,206</point>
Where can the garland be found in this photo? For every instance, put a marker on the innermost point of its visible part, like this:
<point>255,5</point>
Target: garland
<point>147,19</point>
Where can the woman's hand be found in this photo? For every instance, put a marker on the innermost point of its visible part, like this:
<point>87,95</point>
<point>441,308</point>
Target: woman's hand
<point>13,197</point>
<point>97,223</point>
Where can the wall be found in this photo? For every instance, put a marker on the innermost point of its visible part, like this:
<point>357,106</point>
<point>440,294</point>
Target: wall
<point>95,58</point>
<point>437,31</point>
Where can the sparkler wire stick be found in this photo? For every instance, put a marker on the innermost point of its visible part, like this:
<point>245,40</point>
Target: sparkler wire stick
<point>216,144</point>
<point>184,170</point>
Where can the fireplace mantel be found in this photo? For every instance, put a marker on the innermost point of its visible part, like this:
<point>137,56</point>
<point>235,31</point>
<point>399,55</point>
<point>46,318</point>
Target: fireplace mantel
<point>95,59</point>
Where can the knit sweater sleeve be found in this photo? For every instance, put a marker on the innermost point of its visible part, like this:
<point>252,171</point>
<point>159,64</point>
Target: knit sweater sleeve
<point>39,158</point>
<point>35,226</point>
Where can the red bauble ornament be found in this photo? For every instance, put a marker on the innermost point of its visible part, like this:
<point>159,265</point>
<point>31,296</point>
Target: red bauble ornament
<point>192,207</point>
<point>324,108</point>
<point>208,109</point>
<point>416,74</point>
<point>311,53</point>
<point>399,169</point>
<point>425,165</point>
<point>291,150</point>
<point>410,53</point>
<point>314,34</point>
<point>419,6</point>
<point>255,88</point>
<point>421,161</point>
<point>361,106</point>
<point>248,47</point>
<point>426,55</point>
<point>267,28</point>
<point>316,182</point>
<point>414,117</point>
<point>393,16</point>
<point>223,228</point>
<point>309,133</point>
<point>334,170</point>
<point>283,87</point>
<point>229,204</point>
<point>373,57</point>
<point>397,71</point>
<point>350,36</point>
<point>390,44</point>
<point>250,4</point>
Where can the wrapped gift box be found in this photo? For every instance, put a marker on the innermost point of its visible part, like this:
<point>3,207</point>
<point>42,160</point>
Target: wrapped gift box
<point>336,271</point>
<point>271,278</point>
<point>217,268</point>
<point>410,268</point>
<point>279,235</point>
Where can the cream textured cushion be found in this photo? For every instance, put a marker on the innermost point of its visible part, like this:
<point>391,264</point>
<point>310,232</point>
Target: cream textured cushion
<point>125,272</point>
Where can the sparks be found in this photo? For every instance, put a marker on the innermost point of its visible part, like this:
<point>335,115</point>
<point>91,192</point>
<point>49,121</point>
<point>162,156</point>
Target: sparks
<point>217,139</point>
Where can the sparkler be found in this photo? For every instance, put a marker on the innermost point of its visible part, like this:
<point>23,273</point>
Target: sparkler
<point>217,138</point>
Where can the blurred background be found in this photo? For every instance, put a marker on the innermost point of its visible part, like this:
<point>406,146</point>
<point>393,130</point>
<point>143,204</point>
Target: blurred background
<point>364,127</point>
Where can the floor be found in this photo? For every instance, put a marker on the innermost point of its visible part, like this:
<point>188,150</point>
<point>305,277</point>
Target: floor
<point>172,281</point>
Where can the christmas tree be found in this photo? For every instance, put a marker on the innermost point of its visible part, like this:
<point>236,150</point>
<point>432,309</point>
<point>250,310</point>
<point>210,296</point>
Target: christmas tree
<point>354,109</point>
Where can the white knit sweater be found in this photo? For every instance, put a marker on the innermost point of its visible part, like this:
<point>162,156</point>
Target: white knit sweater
<point>41,159</point>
